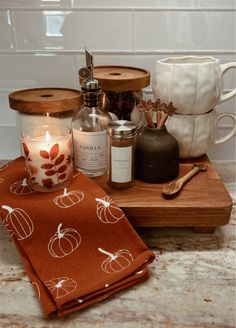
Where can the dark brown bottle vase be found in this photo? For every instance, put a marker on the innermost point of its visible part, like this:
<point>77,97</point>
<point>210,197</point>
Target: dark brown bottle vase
<point>157,156</point>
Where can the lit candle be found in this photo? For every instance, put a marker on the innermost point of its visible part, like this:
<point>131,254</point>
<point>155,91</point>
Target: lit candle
<point>48,151</point>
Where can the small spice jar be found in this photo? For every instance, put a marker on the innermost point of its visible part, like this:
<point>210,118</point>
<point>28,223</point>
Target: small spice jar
<point>121,88</point>
<point>122,140</point>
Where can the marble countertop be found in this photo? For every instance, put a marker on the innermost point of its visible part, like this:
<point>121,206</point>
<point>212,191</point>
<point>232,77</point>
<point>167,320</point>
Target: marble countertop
<point>192,283</point>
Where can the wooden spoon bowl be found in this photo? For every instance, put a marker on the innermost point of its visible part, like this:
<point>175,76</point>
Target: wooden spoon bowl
<point>174,187</point>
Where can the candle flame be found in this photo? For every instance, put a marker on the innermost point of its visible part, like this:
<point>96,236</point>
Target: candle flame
<point>47,136</point>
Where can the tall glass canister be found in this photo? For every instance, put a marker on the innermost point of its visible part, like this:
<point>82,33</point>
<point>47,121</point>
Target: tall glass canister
<point>122,87</point>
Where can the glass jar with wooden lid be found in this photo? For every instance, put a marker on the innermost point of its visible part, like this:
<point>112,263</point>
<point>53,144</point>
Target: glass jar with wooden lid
<point>43,106</point>
<point>121,90</point>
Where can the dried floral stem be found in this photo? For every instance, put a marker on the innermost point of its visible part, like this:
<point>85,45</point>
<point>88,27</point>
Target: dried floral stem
<point>158,116</point>
<point>146,106</point>
<point>149,120</point>
<point>162,110</point>
<point>162,121</point>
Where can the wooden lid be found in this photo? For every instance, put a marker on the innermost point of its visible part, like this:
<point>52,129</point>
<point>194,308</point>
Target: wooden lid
<point>45,100</point>
<point>121,78</point>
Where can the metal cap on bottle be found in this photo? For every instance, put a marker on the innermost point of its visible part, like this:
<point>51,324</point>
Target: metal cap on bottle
<point>121,129</point>
<point>90,86</point>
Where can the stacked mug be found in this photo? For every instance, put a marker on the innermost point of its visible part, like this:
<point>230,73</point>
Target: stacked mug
<point>195,86</point>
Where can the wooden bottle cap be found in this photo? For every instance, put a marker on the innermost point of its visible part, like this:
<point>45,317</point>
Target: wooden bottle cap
<point>121,78</point>
<point>45,100</point>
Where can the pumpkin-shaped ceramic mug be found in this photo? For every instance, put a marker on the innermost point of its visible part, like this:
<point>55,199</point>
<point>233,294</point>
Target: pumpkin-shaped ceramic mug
<point>196,133</point>
<point>193,83</point>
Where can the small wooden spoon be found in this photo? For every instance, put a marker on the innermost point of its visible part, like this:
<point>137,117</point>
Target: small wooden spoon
<point>174,187</point>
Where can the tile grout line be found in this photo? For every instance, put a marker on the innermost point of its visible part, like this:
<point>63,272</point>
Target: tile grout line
<point>114,9</point>
<point>120,52</point>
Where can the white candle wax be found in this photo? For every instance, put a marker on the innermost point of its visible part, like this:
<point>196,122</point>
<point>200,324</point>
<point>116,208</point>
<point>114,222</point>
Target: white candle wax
<point>48,158</point>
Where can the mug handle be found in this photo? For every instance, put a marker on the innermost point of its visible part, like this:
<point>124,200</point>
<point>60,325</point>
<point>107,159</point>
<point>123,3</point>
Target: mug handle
<point>231,133</point>
<point>231,93</point>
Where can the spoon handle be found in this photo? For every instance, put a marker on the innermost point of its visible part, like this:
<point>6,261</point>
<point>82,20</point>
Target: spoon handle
<point>196,168</point>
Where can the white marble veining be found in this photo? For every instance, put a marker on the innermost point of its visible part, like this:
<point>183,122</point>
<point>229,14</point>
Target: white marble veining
<point>191,284</point>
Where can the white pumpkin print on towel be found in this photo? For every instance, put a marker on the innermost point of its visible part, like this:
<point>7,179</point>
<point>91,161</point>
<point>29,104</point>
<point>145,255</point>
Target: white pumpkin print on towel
<point>19,221</point>
<point>68,198</point>
<point>21,187</point>
<point>116,262</point>
<point>61,287</point>
<point>64,242</point>
<point>107,212</point>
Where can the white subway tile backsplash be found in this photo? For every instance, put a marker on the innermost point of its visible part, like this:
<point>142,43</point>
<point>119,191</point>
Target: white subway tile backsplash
<point>29,71</point>
<point>121,4</point>
<point>34,3</point>
<point>67,30</point>
<point>5,32</point>
<point>7,115</point>
<point>42,44</point>
<point>157,4</point>
<point>10,149</point>
<point>224,151</point>
<point>227,106</point>
<point>180,30</point>
<point>223,4</point>
<point>225,122</point>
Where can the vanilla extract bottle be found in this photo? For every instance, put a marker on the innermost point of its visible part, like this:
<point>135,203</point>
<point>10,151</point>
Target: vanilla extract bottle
<point>89,126</point>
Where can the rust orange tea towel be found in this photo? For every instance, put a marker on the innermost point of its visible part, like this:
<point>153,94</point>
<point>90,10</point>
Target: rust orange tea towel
<point>77,245</point>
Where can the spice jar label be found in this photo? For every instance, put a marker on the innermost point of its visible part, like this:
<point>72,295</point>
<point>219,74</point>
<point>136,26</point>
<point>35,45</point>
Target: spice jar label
<point>90,149</point>
<point>121,164</point>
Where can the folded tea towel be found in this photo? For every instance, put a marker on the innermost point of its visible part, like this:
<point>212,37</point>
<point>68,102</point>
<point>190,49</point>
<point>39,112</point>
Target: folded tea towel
<point>77,246</point>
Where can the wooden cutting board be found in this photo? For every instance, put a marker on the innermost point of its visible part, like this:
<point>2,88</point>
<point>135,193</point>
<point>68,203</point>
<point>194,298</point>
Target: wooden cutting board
<point>204,203</point>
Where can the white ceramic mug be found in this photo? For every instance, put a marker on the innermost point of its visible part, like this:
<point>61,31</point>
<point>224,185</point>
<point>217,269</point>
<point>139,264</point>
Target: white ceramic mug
<point>193,83</point>
<point>196,133</point>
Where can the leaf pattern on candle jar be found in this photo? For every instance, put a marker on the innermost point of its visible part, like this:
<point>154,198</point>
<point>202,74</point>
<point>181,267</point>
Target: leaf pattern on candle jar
<point>69,160</point>
<point>60,159</point>
<point>26,151</point>
<point>31,169</point>
<point>54,151</point>
<point>56,166</point>
<point>44,154</point>
<point>47,182</point>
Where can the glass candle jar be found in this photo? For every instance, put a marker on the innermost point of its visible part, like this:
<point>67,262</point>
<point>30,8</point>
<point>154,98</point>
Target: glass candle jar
<point>47,150</point>
<point>42,106</point>
<point>121,90</point>
<point>122,139</point>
